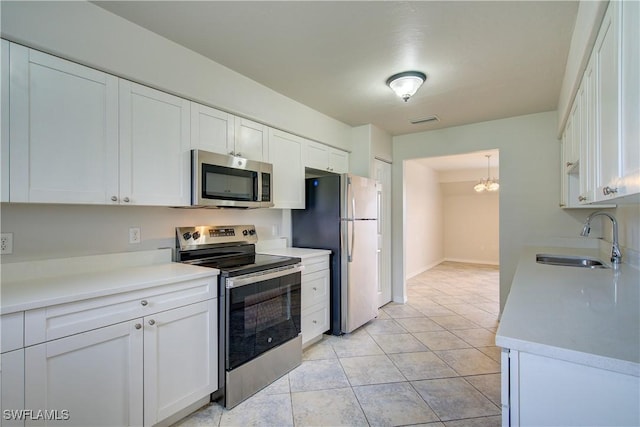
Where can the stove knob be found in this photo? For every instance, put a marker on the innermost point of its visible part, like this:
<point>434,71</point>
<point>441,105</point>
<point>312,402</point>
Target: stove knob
<point>245,232</point>
<point>196,235</point>
<point>252,232</point>
<point>186,235</point>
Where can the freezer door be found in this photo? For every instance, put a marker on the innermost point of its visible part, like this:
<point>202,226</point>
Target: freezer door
<point>360,275</point>
<point>360,197</point>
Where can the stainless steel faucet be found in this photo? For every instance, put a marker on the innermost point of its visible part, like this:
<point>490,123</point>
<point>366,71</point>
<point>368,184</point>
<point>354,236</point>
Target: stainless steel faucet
<point>616,255</point>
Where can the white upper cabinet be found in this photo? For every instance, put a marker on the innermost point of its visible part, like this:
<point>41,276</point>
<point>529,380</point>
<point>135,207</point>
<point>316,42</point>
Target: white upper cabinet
<point>285,152</point>
<point>154,147</point>
<point>78,135</point>
<point>211,130</point>
<point>588,142</point>
<point>63,130</point>
<point>219,132</point>
<point>250,140</point>
<point>629,174</point>
<point>604,123</point>
<point>4,124</point>
<point>606,56</point>
<point>325,158</point>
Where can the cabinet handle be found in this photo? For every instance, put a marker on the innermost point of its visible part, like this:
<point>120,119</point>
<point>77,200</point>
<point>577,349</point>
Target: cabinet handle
<point>126,200</point>
<point>152,322</point>
<point>608,190</point>
<point>315,321</point>
<point>114,199</point>
<point>569,164</point>
<point>582,198</point>
<point>144,302</point>
<point>138,326</point>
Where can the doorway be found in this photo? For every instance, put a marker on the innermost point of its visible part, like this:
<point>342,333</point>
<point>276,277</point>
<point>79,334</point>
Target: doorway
<point>446,220</point>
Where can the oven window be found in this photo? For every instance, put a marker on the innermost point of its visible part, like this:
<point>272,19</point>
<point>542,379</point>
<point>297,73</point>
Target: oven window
<point>262,315</point>
<point>224,183</point>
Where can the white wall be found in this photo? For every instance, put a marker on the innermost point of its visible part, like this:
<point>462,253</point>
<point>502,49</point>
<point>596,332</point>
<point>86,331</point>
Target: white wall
<point>85,33</point>
<point>368,142</point>
<point>529,185</point>
<point>44,231</point>
<point>424,222</point>
<point>471,223</point>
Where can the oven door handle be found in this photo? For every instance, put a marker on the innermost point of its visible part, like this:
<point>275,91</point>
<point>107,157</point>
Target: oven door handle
<point>235,282</point>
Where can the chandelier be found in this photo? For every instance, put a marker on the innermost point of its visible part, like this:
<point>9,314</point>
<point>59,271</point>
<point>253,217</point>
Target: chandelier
<point>489,184</point>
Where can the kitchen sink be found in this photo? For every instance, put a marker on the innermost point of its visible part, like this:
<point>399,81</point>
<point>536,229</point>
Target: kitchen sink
<point>570,261</point>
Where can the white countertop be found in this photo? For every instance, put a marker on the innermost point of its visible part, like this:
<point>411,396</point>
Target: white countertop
<point>37,284</point>
<point>301,253</point>
<point>581,315</point>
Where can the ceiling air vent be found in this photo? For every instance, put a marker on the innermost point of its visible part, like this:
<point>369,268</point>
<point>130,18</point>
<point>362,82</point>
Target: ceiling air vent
<point>427,119</point>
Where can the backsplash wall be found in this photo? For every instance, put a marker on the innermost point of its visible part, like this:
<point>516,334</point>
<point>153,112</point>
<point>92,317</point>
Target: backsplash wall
<point>42,231</point>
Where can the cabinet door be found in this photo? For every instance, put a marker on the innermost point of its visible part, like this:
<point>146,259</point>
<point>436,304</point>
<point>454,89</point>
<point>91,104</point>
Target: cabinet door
<point>316,156</point>
<point>154,147</point>
<point>338,161</point>
<point>211,129</point>
<point>588,142</point>
<point>4,121</point>
<point>180,359</point>
<point>285,152</point>
<point>63,130</point>
<point>250,140</point>
<point>96,376</point>
<point>607,96</point>
<point>11,387</point>
<point>630,139</point>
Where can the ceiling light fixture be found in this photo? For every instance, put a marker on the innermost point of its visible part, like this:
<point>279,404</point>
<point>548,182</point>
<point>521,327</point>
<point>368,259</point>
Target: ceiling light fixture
<point>406,84</point>
<point>488,184</point>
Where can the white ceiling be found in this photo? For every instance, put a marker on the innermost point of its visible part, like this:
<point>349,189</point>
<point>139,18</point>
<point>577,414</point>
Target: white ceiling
<point>473,160</point>
<point>484,60</point>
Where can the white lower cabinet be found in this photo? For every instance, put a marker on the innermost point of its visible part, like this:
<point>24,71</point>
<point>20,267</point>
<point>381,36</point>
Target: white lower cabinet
<point>134,373</point>
<point>180,359</point>
<point>315,298</point>
<point>95,378</point>
<point>12,388</point>
<point>129,359</point>
<point>542,391</point>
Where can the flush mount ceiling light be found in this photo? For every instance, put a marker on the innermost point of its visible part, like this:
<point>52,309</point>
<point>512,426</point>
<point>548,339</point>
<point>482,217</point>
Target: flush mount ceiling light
<point>406,84</point>
<point>488,184</point>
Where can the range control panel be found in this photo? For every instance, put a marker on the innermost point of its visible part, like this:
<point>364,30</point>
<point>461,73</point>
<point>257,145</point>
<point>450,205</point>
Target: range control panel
<point>193,237</point>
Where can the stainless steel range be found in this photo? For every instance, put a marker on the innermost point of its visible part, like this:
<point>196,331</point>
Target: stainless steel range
<point>258,306</point>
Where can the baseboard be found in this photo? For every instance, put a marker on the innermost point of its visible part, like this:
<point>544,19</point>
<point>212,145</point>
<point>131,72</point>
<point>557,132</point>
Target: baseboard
<point>472,261</point>
<point>423,269</point>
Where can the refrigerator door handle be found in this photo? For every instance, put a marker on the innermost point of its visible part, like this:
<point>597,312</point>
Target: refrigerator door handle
<point>353,239</point>
<point>350,219</point>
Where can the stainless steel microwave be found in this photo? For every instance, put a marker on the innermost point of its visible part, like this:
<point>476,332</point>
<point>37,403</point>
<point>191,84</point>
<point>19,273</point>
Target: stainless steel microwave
<point>219,180</point>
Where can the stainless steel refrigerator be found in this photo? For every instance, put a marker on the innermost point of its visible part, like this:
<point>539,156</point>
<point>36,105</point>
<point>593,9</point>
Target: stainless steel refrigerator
<point>341,214</point>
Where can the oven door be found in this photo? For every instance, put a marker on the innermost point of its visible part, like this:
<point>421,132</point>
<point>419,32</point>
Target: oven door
<point>263,312</point>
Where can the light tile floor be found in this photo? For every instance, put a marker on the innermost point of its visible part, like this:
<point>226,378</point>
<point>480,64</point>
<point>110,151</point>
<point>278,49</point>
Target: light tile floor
<point>432,361</point>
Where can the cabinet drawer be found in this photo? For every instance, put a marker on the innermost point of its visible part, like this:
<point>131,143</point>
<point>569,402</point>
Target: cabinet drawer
<point>58,321</point>
<point>12,331</point>
<point>314,264</point>
<point>315,321</point>
<point>315,288</point>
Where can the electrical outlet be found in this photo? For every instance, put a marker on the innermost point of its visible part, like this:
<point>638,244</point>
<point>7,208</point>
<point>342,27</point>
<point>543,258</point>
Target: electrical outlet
<point>134,235</point>
<point>6,243</point>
